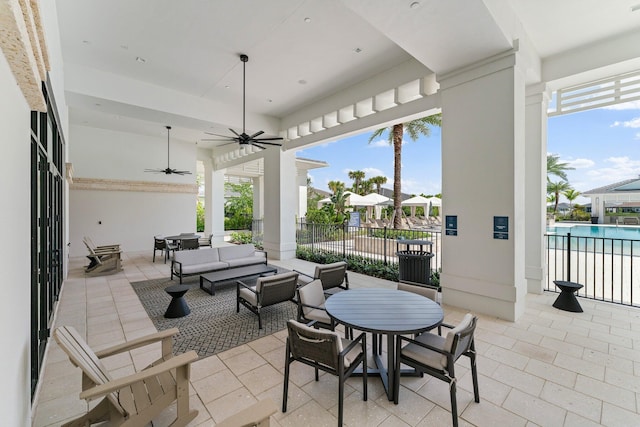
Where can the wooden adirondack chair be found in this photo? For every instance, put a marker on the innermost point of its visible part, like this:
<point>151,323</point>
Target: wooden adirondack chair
<point>103,261</point>
<point>136,399</point>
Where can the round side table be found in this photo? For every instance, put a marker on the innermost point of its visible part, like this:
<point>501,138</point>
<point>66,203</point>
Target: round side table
<point>178,306</point>
<point>567,300</point>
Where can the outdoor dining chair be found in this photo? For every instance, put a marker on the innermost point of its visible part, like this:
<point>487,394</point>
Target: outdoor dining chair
<point>189,244</point>
<point>436,356</point>
<point>325,350</point>
<point>162,245</point>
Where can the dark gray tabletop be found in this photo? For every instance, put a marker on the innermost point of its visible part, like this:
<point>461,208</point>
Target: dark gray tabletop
<point>182,236</point>
<point>386,311</point>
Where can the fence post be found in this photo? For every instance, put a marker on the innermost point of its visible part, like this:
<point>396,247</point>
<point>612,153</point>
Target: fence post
<point>313,235</point>
<point>568,257</point>
<point>344,239</point>
<point>384,245</point>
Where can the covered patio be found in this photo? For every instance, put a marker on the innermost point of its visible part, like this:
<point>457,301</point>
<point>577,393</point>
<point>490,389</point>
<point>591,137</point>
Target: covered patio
<point>89,88</point>
<point>550,367</point>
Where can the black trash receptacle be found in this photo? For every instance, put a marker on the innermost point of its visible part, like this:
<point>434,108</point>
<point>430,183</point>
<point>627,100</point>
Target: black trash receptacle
<point>415,266</point>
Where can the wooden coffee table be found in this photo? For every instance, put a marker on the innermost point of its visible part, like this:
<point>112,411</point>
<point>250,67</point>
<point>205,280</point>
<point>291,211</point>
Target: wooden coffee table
<point>232,274</point>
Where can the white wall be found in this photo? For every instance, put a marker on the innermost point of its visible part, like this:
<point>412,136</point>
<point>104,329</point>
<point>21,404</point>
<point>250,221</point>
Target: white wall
<point>15,193</point>
<point>127,217</point>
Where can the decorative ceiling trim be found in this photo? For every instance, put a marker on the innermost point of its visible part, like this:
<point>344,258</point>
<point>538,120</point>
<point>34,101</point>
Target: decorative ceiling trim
<point>22,42</point>
<point>98,184</point>
<point>381,104</point>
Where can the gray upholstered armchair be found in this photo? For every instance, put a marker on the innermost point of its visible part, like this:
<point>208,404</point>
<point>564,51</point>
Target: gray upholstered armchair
<point>333,276</point>
<point>267,291</point>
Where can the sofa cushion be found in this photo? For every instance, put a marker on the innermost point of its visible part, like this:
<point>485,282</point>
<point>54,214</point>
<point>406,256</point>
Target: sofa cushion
<point>204,267</point>
<point>228,253</point>
<point>201,256</point>
<point>258,258</point>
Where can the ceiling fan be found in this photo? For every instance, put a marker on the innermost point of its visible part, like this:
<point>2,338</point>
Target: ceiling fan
<point>243,138</point>
<point>168,170</point>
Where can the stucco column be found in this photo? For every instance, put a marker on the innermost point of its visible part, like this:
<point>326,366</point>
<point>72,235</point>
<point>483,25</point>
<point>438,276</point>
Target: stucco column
<point>213,201</point>
<point>280,197</point>
<point>537,101</point>
<point>483,177</point>
<point>302,194</point>
<point>258,197</point>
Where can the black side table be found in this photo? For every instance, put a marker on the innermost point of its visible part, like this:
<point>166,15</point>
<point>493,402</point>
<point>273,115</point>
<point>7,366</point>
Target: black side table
<point>567,300</point>
<point>178,306</point>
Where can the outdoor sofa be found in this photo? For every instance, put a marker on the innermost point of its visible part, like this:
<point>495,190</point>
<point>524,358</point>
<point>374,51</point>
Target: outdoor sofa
<point>189,263</point>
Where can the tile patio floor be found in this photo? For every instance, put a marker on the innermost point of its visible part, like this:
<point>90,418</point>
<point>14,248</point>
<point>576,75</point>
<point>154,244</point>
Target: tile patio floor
<point>550,368</point>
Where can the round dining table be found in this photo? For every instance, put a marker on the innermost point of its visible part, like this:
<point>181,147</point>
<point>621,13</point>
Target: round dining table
<point>384,311</point>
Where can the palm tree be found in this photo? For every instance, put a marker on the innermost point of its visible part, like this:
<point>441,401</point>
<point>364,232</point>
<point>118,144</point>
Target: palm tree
<point>357,177</point>
<point>366,187</point>
<point>335,185</point>
<point>378,181</point>
<point>339,200</point>
<point>555,167</point>
<point>414,129</point>
<point>556,188</point>
<point>571,195</point>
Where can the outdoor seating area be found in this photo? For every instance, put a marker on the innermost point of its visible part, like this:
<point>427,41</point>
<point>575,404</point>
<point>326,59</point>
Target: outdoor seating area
<point>550,367</point>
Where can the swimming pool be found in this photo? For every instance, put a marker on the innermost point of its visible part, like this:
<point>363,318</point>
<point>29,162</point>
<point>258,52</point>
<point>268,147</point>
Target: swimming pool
<point>606,239</point>
<point>597,231</point>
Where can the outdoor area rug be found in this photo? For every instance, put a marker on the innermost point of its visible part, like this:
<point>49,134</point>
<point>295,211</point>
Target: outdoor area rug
<point>213,324</point>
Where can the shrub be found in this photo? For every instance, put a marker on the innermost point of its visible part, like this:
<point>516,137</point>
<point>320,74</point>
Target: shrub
<point>241,237</point>
<point>359,264</point>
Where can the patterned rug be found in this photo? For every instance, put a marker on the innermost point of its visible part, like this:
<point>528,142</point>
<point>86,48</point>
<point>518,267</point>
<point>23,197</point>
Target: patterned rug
<point>213,324</point>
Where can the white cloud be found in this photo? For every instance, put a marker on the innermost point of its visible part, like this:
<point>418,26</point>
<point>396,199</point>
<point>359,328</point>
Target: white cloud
<point>633,123</point>
<point>631,105</point>
<point>371,172</point>
<point>412,186</point>
<point>581,163</point>
<point>379,143</point>
<point>637,136</point>
<point>621,168</point>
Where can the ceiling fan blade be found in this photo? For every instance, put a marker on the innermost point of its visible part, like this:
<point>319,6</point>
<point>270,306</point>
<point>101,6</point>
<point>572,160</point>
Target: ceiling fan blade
<point>154,170</point>
<point>235,133</point>
<point>256,134</point>
<point>268,139</point>
<point>217,134</point>
<point>257,145</point>
<point>260,141</point>
<point>228,138</point>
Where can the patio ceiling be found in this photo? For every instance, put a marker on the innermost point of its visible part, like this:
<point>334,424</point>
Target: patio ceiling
<point>136,66</point>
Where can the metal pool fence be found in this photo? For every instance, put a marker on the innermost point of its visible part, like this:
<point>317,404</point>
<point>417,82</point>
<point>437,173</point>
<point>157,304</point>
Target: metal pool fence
<point>380,244</point>
<point>608,268</point>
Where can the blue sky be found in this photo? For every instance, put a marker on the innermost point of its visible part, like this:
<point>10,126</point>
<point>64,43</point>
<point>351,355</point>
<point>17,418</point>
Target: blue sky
<point>603,146</point>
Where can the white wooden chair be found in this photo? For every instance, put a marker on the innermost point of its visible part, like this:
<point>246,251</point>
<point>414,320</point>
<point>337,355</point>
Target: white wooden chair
<point>132,400</point>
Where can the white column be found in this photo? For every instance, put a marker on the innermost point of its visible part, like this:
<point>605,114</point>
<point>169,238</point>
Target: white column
<point>302,194</point>
<point>213,201</point>
<point>537,101</point>
<point>258,197</point>
<point>483,163</point>
<point>280,196</point>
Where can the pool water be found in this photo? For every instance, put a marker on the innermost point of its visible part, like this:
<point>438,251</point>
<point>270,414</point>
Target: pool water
<point>598,231</point>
